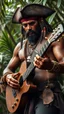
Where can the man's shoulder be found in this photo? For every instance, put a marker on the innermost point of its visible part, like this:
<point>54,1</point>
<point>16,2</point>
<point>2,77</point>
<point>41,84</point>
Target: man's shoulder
<point>19,46</point>
<point>59,42</point>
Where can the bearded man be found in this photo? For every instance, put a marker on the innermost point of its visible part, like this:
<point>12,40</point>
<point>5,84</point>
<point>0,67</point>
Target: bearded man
<point>46,99</point>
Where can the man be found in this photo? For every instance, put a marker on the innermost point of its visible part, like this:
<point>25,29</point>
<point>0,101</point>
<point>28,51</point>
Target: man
<point>47,68</point>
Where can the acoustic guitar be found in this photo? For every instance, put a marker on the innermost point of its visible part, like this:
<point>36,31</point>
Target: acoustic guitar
<point>16,99</point>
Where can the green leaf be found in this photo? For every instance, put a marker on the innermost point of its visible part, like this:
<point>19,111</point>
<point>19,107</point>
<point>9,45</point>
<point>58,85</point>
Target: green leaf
<point>44,2</point>
<point>51,18</point>
<point>58,3</point>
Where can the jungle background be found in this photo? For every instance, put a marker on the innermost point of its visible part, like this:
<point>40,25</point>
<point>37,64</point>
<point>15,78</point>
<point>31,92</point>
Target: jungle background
<point>10,33</point>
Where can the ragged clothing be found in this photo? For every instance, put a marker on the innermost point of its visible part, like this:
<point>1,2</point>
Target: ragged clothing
<point>56,105</point>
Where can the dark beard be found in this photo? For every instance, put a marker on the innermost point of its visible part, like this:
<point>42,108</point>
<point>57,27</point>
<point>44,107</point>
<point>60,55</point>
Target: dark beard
<point>33,36</point>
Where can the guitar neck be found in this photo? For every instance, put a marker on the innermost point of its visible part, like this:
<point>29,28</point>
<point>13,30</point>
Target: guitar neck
<point>44,48</point>
<point>31,66</point>
<point>28,71</point>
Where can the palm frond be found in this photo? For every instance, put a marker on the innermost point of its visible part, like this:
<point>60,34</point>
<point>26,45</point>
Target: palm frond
<point>6,44</point>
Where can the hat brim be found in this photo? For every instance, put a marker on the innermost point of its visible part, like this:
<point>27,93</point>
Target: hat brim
<point>17,15</point>
<point>32,10</point>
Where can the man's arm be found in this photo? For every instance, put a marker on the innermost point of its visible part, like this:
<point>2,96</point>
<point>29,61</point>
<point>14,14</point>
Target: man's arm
<point>8,72</point>
<point>58,51</point>
<point>52,65</point>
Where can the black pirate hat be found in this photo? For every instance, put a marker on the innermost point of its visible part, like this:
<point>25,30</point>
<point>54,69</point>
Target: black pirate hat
<point>31,10</point>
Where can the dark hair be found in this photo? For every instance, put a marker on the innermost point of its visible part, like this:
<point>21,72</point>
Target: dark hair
<point>45,24</point>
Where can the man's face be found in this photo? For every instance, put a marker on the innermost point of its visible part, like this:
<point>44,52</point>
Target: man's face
<point>32,30</point>
<point>31,24</point>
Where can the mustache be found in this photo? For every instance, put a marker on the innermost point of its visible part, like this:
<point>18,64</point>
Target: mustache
<point>30,32</point>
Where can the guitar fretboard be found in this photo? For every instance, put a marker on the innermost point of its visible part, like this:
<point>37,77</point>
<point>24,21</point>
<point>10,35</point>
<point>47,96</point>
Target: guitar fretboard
<point>31,66</point>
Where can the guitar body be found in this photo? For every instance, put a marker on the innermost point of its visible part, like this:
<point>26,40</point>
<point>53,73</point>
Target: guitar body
<point>13,102</point>
<point>17,98</point>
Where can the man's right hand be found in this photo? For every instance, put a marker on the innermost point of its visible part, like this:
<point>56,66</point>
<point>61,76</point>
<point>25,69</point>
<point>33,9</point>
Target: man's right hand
<point>12,80</point>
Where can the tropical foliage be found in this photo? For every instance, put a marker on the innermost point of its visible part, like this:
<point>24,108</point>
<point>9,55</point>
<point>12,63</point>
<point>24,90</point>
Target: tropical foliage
<point>10,33</point>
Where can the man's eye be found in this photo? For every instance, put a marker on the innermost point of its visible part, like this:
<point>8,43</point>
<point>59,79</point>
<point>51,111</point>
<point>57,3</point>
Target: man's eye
<point>32,23</point>
<point>24,25</point>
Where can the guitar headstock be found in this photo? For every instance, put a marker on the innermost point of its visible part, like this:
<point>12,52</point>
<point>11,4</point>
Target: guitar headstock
<point>56,33</point>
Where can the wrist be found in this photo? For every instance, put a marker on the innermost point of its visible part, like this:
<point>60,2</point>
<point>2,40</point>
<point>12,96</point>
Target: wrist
<point>54,66</point>
<point>51,66</point>
<point>4,80</point>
